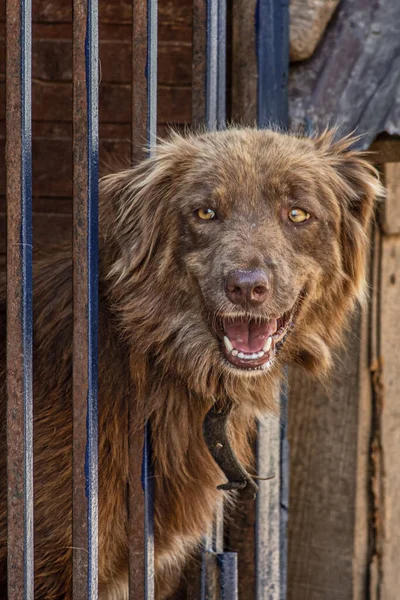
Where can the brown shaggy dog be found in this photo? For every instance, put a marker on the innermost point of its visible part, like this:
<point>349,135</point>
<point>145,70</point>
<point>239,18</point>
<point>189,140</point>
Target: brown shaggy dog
<point>222,257</point>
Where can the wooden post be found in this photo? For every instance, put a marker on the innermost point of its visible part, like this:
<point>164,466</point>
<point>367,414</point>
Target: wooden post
<point>329,439</point>
<point>385,573</point>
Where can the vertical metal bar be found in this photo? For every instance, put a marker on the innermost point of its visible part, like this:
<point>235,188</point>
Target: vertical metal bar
<point>209,108</point>
<point>229,575</point>
<point>199,69</point>
<point>268,512</point>
<point>19,300</point>
<point>212,64</point>
<point>85,284</point>
<point>144,130</point>
<point>221,92</point>
<point>272,41</point>
<point>144,77</point>
<point>272,37</point>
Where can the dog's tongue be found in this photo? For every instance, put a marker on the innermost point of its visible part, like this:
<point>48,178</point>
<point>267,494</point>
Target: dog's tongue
<point>249,336</point>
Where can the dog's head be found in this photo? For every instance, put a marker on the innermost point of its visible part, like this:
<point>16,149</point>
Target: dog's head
<point>235,252</point>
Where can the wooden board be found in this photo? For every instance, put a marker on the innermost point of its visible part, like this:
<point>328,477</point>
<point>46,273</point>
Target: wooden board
<point>323,436</point>
<point>389,583</point>
<point>385,580</point>
<point>391,212</point>
<point>52,93</point>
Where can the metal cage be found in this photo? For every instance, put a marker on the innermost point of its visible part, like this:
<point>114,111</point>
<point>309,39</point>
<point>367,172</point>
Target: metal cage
<point>218,578</point>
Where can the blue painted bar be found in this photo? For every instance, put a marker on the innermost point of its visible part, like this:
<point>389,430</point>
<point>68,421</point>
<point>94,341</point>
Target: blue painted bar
<point>26,260</point>
<point>91,465</point>
<point>152,45</point>
<point>229,575</point>
<point>272,41</point>
<point>20,580</point>
<point>26,251</point>
<point>148,487</point>
<point>148,481</point>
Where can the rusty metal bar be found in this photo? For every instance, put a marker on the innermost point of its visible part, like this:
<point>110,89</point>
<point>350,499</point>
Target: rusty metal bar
<point>221,80</point>
<point>144,77</point>
<point>144,133</point>
<point>19,299</point>
<point>85,304</point>
<point>199,42</point>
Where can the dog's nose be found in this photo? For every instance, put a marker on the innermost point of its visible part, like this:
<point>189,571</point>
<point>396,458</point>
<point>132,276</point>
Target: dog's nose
<point>247,287</point>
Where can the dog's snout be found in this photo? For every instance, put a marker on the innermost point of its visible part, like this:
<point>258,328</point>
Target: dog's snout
<point>246,287</point>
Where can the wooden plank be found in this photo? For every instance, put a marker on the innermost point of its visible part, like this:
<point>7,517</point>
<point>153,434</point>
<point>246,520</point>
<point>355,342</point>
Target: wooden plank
<point>387,391</point>
<point>49,231</point>
<point>178,11</point>
<point>267,552</point>
<point>389,582</point>
<point>323,436</point>
<point>362,534</point>
<point>391,212</point>
<point>52,61</point>
<point>52,102</point>
<point>241,538</point>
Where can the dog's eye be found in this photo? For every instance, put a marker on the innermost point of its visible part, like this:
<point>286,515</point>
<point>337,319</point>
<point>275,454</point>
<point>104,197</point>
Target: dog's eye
<point>206,214</point>
<point>298,215</point>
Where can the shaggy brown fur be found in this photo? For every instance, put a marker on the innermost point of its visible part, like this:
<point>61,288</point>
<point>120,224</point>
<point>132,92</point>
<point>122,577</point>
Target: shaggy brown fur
<point>162,278</point>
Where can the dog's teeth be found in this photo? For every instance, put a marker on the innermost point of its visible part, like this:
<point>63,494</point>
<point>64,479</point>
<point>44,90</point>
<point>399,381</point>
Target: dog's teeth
<point>260,354</point>
<point>228,344</point>
<point>235,352</point>
<point>240,355</point>
<point>267,344</point>
<point>253,356</point>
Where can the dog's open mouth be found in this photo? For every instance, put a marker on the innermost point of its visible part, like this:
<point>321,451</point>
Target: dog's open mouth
<point>251,343</point>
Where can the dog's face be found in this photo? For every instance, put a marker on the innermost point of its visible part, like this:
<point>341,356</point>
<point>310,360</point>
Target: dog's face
<point>241,250</point>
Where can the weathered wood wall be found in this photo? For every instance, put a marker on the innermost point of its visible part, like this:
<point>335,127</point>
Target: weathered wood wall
<point>52,99</point>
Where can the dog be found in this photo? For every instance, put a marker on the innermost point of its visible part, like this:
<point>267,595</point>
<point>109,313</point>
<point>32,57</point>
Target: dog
<point>223,257</point>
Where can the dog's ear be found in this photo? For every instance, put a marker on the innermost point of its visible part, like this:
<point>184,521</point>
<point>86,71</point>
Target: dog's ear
<point>133,211</point>
<point>355,183</point>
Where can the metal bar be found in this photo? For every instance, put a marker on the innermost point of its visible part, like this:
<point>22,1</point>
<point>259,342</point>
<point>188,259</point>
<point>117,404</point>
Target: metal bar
<point>85,303</point>
<point>19,299</point>
<point>209,109</point>
<point>268,511</point>
<point>272,42</point>
<point>229,575</point>
<point>144,131</point>
<point>221,55</point>
<point>199,42</point>
<point>212,64</point>
<point>272,18</point>
<point>144,77</point>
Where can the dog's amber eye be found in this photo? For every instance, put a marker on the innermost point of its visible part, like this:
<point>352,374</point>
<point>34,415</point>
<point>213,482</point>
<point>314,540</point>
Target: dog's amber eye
<point>206,214</point>
<point>298,215</point>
